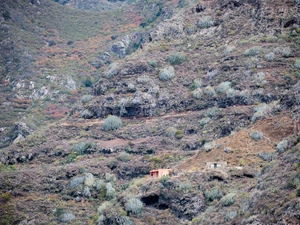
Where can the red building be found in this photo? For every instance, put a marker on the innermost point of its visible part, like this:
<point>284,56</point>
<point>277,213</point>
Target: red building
<point>160,172</point>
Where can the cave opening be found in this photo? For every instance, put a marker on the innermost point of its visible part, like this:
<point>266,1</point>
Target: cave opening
<point>163,206</point>
<point>150,200</point>
<point>218,178</point>
<point>153,201</point>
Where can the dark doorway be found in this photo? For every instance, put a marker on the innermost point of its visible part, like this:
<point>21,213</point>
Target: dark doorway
<point>163,206</point>
<point>150,200</point>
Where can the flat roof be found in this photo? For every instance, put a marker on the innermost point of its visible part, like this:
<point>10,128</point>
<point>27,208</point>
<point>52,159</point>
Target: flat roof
<point>159,170</point>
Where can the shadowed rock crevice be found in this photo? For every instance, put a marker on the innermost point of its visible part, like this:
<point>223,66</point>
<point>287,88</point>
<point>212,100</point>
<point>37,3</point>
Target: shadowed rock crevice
<point>151,200</point>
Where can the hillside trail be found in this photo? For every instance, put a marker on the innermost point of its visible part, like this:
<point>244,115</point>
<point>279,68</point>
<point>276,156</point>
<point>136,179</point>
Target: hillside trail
<point>124,142</point>
<point>147,120</point>
<point>91,122</point>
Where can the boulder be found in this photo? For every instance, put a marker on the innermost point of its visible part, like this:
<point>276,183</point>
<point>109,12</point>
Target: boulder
<point>128,171</point>
<point>184,206</point>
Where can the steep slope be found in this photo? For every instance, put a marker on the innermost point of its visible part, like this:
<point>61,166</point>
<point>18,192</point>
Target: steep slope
<point>51,55</point>
<point>209,50</point>
<point>218,81</point>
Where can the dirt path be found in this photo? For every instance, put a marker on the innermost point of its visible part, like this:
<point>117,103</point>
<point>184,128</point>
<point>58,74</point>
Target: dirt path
<point>120,142</point>
<point>91,122</point>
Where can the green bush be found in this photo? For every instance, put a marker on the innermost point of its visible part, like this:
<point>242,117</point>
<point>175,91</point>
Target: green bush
<point>262,109</point>
<point>80,148</point>
<point>153,89</point>
<point>88,82</point>
<point>245,206</point>
<point>205,22</point>
<point>110,177</point>
<point>190,29</point>
<point>167,73</point>
<point>223,87</point>
<point>103,207</point>
<point>152,63</point>
<point>297,63</point>
<point>230,215</point>
<point>230,93</point>
<point>86,192</point>
<point>164,179</point>
<point>266,156</point>
<point>185,186</point>
<point>213,194</point>
<point>228,199</point>
<point>176,58</point>
<point>211,112</point>
<point>113,70</point>
<point>125,220</point>
<point>66,217</point>
<point>134,206</point>
<point>112,123</point>
<point>227,150</point>
<point>229,49</point>
<point>86,98</point>
<point>143,79</point>
<point>204,121</point>
<point>4,168</point>
<point>100,219</point>
<point>197,93</point>
<point>6,196</point>
<point>124,157</point>
<point>131,87</point>
<point>256,135</point>
<point>251,63</point>
<point>102,193</point>
<point>122,105</point>
<point>76,181</point>
<point>293,182</point>
<point>179,134</point>
<point>209,90</point>
<point>282,146</point>
<point>100,184</point>
<point>156,160</point>
<point>196,84</point>
<point>171,131</point>
<point>209,146</point>
<point>271,39</point>
<point>270,56</point>
<point>252,51</point>
<point>89,180</point>
<point>286,52</point>
<point>110,191</point>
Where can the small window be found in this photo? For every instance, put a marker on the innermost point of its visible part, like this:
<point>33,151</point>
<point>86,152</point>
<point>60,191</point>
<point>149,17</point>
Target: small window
<point>215,165</point>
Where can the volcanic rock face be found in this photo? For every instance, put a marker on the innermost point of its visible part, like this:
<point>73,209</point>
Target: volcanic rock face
<point>171,28</point>
<point>133,88</point>
<point>184,206</point>
<point>214,81</point>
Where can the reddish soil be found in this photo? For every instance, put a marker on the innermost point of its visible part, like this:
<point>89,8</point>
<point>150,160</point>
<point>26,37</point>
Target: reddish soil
<point>244,148</point>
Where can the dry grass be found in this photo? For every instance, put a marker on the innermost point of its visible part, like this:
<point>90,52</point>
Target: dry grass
<point>245,149</point>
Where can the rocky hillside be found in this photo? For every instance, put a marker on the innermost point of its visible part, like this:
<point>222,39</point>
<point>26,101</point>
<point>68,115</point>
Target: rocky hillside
<point>163,84</point>
<point>52,54</point>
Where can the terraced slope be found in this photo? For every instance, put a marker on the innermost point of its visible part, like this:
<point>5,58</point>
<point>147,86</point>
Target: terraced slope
<point>216,81</point>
